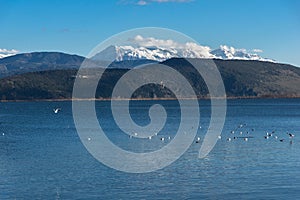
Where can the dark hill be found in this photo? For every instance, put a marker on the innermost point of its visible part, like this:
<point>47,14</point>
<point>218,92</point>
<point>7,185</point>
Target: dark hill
<point>38,61</point>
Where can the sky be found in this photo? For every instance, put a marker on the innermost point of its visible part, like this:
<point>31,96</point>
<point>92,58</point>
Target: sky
<point>76,27</point>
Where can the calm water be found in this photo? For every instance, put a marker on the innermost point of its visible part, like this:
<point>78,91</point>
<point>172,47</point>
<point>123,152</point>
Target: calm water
<point>41,156</point>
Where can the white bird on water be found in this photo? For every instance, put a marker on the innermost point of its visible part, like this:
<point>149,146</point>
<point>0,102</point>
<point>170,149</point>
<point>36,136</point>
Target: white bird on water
<point>56,110</point>
<point>291,135</point>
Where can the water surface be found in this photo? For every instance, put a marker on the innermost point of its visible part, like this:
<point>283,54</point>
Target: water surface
<point>42,157</point>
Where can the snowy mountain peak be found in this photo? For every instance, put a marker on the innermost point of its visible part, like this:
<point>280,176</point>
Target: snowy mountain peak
<point>159,50</point>
<point>120,53</point>
<point>230,53</point>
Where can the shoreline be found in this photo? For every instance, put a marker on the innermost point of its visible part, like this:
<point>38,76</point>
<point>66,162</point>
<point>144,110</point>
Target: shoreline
<point>144,99</point>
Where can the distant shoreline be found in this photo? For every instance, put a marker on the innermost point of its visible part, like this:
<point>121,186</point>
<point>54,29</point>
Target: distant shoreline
<point>144,99</point>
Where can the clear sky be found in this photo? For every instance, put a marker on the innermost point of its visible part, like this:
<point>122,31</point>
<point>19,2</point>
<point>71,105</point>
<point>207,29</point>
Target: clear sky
<point>78,26</point>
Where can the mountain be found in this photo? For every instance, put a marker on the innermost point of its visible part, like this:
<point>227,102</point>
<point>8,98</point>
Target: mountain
<point>121,53</point>
<point>190,50</point>
<point>242,78</point>
<point>230,53</point>
<point>38,61</point>
<point>122,57</point>
<point>42,61</point>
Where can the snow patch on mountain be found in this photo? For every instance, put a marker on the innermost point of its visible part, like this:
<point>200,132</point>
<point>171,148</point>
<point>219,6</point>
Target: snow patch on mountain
<point>6,52</point>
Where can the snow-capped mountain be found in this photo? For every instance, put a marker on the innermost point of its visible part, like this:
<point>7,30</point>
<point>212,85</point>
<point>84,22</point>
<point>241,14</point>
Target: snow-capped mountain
<point>121,53</point>
<point>189,50</point>
<point>226,53</point>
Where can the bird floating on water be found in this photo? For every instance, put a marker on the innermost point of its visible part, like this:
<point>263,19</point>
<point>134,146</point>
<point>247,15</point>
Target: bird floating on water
<point>291,135</point>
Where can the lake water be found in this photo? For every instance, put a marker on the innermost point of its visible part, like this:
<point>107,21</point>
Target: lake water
<point>42,157</point>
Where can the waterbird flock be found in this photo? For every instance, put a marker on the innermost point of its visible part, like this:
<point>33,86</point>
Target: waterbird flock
<point>240,132</point>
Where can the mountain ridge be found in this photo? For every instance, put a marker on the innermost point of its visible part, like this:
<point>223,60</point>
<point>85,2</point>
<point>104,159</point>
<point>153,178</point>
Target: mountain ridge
<point>242,79</point>
<point>191,50</point>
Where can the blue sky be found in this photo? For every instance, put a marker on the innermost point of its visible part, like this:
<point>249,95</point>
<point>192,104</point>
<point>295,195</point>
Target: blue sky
<point>77,26</point>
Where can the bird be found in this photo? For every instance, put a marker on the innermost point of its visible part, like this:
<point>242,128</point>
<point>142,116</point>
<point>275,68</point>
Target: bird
<point>198,139</point>
<point>135,134</point>
<point>246,139</point>
<point>3,134</point>
<point>276,137</point>
<point>291,135</point>
<point>266,137</point>
<point>219,137</point>
<point>228,139</point>
<point>89,138</point>
<point>281,140</point>
<point>150,137</point>
<point>162,139</point>
<point>269,134</point>
<point>56,110</point>
<point>169,137</point>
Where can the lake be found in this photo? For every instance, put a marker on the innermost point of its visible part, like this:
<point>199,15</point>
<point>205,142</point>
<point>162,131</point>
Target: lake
<point>42,157</point>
